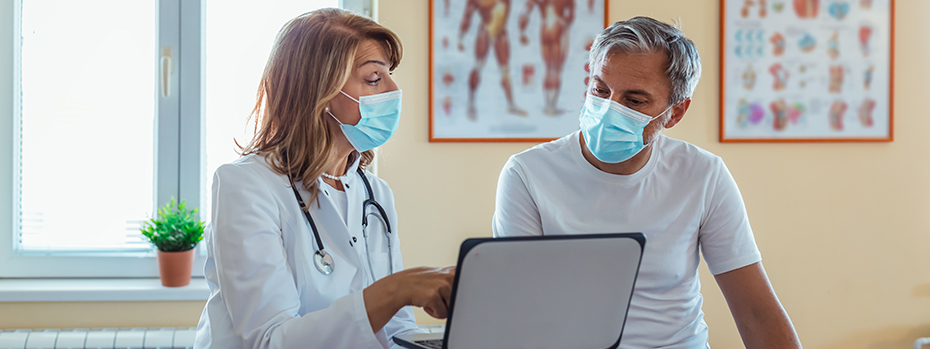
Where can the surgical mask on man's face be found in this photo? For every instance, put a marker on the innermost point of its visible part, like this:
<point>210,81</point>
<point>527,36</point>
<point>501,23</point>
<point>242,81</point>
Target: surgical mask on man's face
<point>380,119</point>
<point>612,131</point>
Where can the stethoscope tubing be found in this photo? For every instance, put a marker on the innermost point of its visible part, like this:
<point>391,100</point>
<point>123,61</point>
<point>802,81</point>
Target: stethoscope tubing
<point>325,263</point>
<point>300,200</point>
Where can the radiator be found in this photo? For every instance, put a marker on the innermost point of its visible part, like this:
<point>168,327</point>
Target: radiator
<point>113,338</point>
<point>103,338</point>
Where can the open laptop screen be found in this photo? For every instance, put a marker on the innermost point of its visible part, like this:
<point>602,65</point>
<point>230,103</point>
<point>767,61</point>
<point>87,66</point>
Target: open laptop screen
<point>566,291</point>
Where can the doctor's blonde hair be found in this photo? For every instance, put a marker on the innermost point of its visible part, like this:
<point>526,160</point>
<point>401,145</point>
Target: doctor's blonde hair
<point>311,60</point>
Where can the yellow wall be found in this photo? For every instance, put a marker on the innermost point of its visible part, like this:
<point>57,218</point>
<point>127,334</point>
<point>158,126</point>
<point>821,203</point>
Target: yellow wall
<point>842,227</point>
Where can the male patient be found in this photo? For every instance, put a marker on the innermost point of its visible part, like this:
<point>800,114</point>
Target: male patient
<point>620,174</point>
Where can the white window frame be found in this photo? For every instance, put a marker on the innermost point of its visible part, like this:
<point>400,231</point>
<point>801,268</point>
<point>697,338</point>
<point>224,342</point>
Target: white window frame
<point>362,7</point>
<point>180,142</point>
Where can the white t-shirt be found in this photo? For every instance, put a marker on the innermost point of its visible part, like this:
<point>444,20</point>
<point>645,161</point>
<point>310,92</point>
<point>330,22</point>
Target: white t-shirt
<point>682,199</point>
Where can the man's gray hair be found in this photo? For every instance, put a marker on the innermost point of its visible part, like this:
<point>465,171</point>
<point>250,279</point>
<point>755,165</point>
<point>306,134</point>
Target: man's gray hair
<point>645,35</point>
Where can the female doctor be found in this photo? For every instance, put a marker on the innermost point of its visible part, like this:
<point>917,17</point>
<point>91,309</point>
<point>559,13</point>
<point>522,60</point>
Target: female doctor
<point>303,249</point>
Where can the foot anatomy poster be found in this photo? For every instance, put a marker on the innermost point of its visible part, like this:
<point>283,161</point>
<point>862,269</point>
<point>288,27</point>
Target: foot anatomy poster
<point>806,70</point>
<point>509,70</point>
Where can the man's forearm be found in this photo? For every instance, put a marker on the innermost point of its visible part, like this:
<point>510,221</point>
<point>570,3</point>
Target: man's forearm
<point>759,316</point>
<point>768,328</point>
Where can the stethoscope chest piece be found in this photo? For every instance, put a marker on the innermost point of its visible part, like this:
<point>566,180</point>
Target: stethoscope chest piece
<point>323,261</point>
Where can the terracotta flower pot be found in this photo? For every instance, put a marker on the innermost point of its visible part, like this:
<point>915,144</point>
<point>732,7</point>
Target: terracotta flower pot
<point>175,267</point>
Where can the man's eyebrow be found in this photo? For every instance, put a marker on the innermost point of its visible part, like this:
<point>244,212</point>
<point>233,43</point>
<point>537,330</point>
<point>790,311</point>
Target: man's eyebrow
<point>638,92</point>
<point>629,92</point>
<point>372,61</point>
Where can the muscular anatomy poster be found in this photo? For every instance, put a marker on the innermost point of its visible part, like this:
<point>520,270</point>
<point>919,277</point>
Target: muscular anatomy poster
<point>509,70</point>
<point>806,70</point>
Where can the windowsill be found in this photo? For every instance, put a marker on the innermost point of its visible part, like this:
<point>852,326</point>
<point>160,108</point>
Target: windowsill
<point>99,290</point>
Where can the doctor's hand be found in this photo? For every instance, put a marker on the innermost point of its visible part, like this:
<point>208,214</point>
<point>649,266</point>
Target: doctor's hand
<point>428,288</point>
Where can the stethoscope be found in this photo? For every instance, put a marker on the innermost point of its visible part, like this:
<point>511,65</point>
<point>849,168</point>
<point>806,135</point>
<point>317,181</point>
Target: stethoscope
<point>323,260</point>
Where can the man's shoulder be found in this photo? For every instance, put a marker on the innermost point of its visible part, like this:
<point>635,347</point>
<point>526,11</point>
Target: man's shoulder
<point>686,155</point>
<point>553,152</point>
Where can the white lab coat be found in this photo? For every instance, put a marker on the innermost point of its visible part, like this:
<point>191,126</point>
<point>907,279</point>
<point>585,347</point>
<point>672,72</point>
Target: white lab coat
<point>266,291</point>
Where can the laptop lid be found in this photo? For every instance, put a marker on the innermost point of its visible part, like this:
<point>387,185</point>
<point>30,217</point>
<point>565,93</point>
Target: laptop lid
<point>562,291</point>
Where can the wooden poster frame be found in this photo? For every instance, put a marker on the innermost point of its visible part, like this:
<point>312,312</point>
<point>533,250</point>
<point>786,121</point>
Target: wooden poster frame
<point>432,137</point>
<point>723,87</point>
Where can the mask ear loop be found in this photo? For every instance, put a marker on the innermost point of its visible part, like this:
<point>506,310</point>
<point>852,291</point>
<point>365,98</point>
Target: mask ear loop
<point>334,117</point>
<point>331,114</point>
<point>660,131</point>
<point>350,97</point>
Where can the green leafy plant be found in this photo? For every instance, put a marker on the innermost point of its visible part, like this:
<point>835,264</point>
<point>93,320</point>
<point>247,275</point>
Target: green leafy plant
<point>175,229</point>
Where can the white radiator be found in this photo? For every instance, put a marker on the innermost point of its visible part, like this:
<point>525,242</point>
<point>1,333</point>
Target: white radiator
<point>106,338</point>
<point>113,338</point>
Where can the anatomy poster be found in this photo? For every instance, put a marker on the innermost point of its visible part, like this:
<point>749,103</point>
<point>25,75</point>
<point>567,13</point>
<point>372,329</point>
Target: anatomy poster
<point>509,70</point>
<point>806,70</point>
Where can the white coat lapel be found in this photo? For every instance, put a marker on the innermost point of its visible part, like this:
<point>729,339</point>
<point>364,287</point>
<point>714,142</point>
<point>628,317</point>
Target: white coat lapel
<point>333,230</point>
<point>356,195</point>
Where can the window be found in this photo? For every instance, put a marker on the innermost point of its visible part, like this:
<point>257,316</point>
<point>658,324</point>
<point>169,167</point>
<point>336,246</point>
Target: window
<point>87,125</point>
<point>115,107</point>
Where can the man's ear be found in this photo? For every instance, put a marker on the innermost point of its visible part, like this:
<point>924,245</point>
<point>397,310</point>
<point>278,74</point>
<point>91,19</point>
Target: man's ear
<point>678,112</point>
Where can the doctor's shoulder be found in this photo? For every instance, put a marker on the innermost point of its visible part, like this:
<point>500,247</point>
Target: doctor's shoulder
<point>249,170</point>
<point>379,186</point>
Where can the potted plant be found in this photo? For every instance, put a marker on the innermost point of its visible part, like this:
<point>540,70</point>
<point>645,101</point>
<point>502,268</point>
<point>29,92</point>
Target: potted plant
<point>175,232</point>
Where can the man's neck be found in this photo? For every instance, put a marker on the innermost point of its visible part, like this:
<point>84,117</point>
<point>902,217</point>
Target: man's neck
<point>626,168</point>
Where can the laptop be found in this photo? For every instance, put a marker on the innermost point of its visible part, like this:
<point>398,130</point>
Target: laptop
<point>562,291</point>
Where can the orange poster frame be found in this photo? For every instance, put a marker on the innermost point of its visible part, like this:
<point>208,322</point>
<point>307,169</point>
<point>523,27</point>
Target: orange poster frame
<point>432,137</point>
<point>723,88</point>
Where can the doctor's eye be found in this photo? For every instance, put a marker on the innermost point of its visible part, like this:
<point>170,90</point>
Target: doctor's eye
<point>373,81</point>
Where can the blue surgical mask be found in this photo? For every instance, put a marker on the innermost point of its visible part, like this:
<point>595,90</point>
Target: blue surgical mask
<point>380,118</point>
<point>612,131</point>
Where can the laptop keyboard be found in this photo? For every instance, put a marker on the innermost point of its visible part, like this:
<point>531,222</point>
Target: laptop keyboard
<point>432,343</point>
